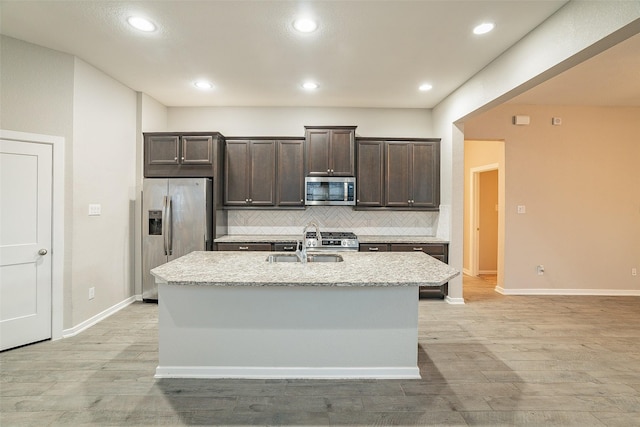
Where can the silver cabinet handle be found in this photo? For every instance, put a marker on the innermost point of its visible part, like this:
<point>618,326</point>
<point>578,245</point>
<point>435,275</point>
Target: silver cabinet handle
<point>374,249</point>
<point>287,248</point>
<point>328,170</point>
<point>183,159</point>
<point>417,249</point>
<point>42,252</point>
<point>244,248</point>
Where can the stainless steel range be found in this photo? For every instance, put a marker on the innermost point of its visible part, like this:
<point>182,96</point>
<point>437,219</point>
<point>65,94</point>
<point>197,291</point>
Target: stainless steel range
<point>334,240</point>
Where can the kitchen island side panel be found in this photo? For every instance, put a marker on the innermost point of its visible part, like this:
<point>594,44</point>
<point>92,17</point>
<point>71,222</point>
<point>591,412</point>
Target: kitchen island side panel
<point>288,331</point>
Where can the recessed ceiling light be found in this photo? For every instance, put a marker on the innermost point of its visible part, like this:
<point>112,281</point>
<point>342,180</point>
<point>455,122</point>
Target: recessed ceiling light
<point>425,87</point>
<point>141,24</point>
<point>483,28</point>
<point>305,25</point>
<point>310,85</point>
<point>201,84</point>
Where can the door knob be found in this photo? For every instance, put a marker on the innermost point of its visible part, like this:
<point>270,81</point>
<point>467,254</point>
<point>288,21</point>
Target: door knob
<point>42,252</point>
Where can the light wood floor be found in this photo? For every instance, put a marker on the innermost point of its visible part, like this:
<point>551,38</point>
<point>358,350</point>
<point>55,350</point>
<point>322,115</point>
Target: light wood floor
<point>497,360</point>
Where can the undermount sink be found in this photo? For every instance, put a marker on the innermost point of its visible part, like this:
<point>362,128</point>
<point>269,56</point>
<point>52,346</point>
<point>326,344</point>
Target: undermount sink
<point>310,258</point>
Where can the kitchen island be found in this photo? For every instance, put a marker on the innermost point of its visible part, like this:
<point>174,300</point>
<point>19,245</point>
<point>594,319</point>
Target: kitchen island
<point>235,315</point>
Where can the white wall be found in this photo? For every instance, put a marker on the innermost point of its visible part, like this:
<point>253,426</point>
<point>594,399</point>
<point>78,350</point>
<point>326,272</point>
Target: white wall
<point>575,33</point>
<point>271,121</point>
<point>580,184</point>
<point>36,96</point>
<point>104,172</point>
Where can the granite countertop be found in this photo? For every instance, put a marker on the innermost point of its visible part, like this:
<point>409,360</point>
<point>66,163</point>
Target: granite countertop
<point>258,238</point>
<point>362,238</point>
<point>358,269</point>
<point>400,239</point>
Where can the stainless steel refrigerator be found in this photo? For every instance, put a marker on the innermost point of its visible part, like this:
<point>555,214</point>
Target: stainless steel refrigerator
<point>177,218</point>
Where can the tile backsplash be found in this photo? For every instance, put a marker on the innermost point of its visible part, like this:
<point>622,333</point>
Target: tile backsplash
<point>333,218</point>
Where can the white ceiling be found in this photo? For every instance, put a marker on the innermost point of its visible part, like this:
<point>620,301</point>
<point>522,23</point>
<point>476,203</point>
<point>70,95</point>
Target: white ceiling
<point>364,54</point>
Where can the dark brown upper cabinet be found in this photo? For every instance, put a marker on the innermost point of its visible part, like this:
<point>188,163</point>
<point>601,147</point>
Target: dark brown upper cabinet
<point>290,179</point>
<point>181,155</point>
<point>412,172</point>
<point>330,150</point>
<point>370,178</point>
<point>399,173</point>
<point>250,172</point>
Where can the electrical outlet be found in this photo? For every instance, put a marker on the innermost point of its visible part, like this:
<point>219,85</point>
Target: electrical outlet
<point>95,209</point>
<point>634,271</point>
<point>540,270</point>
<point>92,292</point>
<point>522,209</point>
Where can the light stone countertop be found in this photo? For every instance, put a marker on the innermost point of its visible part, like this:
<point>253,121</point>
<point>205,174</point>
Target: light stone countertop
<point>258,238</point>
<point>362,238</point>
<point>400,239</point>
<point>358,269</point>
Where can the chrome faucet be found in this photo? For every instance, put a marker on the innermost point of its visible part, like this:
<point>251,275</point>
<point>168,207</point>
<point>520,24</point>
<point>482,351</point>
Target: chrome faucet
<point>301,248</point>
<point>301,251</point>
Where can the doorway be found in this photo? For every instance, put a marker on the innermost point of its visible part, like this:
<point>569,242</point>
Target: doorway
<point>484,211</point>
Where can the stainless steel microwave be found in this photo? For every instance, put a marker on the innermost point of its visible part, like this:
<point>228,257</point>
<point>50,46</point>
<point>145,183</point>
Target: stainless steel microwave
<point>339,191</point>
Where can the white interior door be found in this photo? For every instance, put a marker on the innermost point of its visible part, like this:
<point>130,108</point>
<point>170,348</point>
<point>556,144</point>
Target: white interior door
<point>25,242</point>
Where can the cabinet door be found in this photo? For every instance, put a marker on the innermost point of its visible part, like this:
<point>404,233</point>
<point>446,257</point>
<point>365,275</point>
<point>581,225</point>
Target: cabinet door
<point>425,175</point>
<point>318,141</point>
<point>236,173</point>
<point>341,152</point>
<point>197,150</point>
<point>262,173</point>
<point>370,182</point>
<point>397,174</point>
<point>290,180</point>
<point>162,150</point>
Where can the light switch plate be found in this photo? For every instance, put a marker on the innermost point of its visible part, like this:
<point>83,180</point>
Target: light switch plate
<point>95,209</point>
<point>522,209</point>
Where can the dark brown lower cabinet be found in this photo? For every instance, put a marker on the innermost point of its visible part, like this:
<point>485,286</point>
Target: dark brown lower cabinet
<point>258,246</point>
<point>374,247</point>
<point>437,250</point>
<point>285,247</point>
<point>244,246</point>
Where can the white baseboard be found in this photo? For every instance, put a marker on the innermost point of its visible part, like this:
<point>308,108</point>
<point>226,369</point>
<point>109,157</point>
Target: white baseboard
<point>268,372</point>
<point>66,333</point>
<point>576,292</point>
<point>454,301</point>
<point>467,272</point>
<point>488,272</point>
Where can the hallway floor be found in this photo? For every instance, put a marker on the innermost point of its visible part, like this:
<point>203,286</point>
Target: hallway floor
<point>497,360</point>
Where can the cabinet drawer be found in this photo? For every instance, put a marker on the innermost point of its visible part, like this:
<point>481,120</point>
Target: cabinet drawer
<point>284,247</point>
<point>430,248</point>
<point>374,247</point>
<point>244,246</point>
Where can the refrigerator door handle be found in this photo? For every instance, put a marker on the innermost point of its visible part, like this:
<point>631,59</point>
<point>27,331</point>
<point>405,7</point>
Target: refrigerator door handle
<point>164,225</point>
<point>170,224</point>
